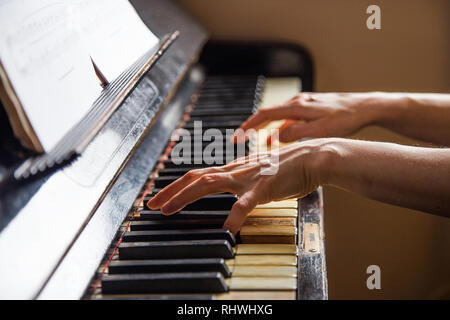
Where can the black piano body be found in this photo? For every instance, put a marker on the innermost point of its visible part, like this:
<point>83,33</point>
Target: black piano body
<point>55,230</point>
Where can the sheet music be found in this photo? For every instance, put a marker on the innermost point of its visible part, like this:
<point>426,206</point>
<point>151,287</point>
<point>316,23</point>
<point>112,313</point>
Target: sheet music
<point>46,48</point>
<point>114,32</point>
<point>48,65</point>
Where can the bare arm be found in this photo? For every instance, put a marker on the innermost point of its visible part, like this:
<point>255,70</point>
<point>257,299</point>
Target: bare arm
<point>413,177</point>
<point>315,115</point>
<point>407,176</point>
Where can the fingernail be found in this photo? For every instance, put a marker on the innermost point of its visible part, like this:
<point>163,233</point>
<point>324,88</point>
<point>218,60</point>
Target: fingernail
<point>151,204</point>
<point>227,226</point>
<point>167,209</point>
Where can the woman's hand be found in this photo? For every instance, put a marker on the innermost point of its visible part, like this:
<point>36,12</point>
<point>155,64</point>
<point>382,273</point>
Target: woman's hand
<point>256,179</point>
<point>424,116</point>
<point>317,115</point>
<point>412,177</point>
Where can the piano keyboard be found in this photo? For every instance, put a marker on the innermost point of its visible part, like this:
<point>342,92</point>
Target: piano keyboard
<point>188,255</point>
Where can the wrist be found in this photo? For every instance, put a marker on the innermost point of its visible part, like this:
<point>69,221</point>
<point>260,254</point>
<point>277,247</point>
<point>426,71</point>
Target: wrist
<point>320,159</point>
<point>385,107</point>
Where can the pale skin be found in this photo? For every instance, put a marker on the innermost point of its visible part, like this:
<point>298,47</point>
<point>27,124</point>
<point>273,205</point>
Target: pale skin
<point>407,176</point>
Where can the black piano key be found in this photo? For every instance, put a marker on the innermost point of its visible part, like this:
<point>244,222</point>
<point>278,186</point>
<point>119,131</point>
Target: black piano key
<point>176,249</point>
<point>148,215</point>
<point>222,201</point>
<point>169,266</point>
<point>223,130</point>
<point>216,154</point>
<point>201,282</point>
<point>225,112</point>
<point>174,171</point>
<point>169,224</point>
<point>205,163</point>
<point>222,106</point>
<point>227,99</point>
<point>164,181</point>
<point>161,182</point>
<point>210,117</point>
<point>154,297</point>
<point>213,81</point>
<point>175,235</point>
<point>197,143</point>
<point>237,93</point>
<point>213,202</point>
<point>214,124</point>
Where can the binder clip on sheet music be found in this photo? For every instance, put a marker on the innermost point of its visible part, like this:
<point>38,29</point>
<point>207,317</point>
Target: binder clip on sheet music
<point>55,60</point>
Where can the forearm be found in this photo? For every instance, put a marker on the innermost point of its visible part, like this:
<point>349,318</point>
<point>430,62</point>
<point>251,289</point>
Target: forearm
<point>422,116</point>
<point>413,177</point>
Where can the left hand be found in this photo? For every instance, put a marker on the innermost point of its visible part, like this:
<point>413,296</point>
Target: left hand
<point>248,178</point>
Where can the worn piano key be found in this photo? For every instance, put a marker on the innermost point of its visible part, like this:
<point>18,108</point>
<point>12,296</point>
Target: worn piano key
<point>283,221</point>
<point>210,202</point>
<point>169,235</point>
<point>147,215</point>
<point>268,234</point>
<point>262,283</point>
<point>169,266</point>
<point>176,249</point>
<point>272,213</point>
<point>268,249</point>
<point>168,224</point>
<point>198,282</point>
<point>258,295</point>
<point>264,271</point>
<point>263,260</point>
<point>284,204</point>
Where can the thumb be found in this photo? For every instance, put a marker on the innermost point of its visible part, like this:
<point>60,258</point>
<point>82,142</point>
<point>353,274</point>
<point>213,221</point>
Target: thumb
<point>300,130</point>
<point>291,131</point>
<point>241,208</point>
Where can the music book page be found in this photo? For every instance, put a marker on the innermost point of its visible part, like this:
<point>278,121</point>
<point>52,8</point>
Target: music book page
<point>48,67</point>
<point>46,52</point>
<point>115,34</point>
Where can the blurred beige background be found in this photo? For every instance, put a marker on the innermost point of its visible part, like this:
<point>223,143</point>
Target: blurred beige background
<point>410,53</point>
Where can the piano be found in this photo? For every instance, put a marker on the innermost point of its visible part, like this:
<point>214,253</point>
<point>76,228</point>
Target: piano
<point>83,231</point>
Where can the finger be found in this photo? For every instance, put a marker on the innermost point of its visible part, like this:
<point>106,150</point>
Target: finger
<point>241,208</point>
<point>168,192</point>
<point>299,130</point>
<point>264,116</point>
<point>240,136</point>
<point>285,111</point>
<point>203,186</point>
<point>274,138</point>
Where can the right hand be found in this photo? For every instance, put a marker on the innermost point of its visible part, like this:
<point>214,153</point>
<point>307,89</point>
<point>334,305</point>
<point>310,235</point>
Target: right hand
<point>317,115</point>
